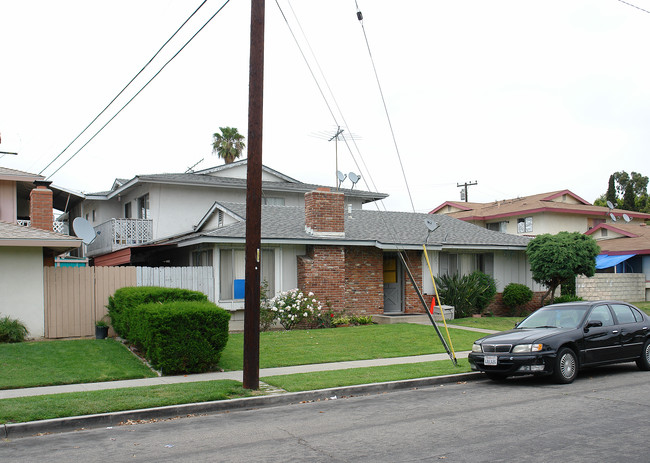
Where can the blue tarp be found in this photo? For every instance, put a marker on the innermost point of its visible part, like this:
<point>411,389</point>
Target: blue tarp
<point>605,261</point>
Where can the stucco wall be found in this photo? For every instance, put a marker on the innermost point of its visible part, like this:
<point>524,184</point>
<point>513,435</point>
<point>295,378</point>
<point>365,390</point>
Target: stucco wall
<point>629,287</point>
<point>21,287</point>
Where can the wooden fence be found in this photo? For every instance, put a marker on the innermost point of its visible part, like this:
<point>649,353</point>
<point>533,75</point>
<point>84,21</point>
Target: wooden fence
<point>75,298</point>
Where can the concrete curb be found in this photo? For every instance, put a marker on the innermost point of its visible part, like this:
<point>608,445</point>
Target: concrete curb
<point>78,423</point>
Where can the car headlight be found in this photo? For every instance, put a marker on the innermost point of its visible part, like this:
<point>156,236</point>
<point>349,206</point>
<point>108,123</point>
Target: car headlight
<point>526,348</point>
<point>477,348</point>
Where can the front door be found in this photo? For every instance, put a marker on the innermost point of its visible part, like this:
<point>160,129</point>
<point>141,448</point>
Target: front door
<point>393,284</point>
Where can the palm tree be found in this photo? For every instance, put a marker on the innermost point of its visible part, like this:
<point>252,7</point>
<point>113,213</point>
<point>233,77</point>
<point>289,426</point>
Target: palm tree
<point>228,144</point>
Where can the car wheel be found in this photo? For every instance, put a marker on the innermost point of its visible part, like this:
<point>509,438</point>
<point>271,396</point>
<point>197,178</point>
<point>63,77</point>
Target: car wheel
<point>643,362</point>
<point>566,366</point>
<point>496,376</point>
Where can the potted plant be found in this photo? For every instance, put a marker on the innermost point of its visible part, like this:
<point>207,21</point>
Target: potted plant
<point>101,329</point>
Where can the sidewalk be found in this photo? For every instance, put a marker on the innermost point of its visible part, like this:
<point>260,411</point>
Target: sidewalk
<point>236,375</point>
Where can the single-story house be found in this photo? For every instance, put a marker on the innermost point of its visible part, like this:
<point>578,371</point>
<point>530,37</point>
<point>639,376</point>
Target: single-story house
<point>348,256</point>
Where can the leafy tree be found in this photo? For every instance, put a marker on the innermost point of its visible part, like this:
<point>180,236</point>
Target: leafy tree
<point>626,191</point>
<point>555,259</point>
<point>229,144</point>
<point>611,190</point>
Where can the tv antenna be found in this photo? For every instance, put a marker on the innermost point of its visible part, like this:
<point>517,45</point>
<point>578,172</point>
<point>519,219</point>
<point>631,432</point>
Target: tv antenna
<point>336,136</point>
<point>190,170</point>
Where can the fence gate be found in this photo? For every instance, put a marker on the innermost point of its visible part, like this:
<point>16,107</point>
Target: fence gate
<point>75,298</point>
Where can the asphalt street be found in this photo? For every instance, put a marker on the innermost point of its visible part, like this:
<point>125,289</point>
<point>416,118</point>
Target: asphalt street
<point>602,416</point>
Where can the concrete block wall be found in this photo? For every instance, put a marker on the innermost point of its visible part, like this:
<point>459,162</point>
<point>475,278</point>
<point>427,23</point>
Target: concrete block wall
<point>629,287</point>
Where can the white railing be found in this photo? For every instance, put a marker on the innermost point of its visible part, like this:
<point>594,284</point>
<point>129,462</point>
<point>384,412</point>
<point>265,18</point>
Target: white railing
<point>120,233</point>
<point>57,226</point>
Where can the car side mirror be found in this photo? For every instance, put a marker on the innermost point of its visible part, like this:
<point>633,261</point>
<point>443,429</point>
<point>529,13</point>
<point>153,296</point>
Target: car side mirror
<point>593,324</point>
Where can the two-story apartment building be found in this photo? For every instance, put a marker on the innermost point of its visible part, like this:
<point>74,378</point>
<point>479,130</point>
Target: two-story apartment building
<point>538,214</point>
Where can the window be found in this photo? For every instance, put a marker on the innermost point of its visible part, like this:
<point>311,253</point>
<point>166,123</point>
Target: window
<point>498,226</point>
<point>601,314</point>
<point>273,201</point>
<point>448,264</point>
<point>603,232</point>
<point>202,258</point>
<point>623,313</point>
<point>127,210</point>
<point>143,207</point>
<point>232,272</point>
<point>525,225</point>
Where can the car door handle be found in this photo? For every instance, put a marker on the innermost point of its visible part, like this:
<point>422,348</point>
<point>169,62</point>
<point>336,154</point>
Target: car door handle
<point>614,331</point>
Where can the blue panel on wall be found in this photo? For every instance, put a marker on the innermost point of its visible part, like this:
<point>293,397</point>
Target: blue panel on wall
<point>239,289</point>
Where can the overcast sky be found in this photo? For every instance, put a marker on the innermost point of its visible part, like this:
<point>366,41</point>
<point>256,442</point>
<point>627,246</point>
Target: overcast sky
<point>521,96</point>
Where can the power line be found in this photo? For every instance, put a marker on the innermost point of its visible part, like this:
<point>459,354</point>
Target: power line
<point>141,89</point>
<point>634,6</point>
<point>123,89</point>
<point>383,100</point>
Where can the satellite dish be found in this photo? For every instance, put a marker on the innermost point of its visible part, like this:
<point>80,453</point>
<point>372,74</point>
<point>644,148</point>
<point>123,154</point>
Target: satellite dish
<point>626,218</point>
<point>610,205</point>
<point>612,216</point>
<point>431,224</point>
<point>341,176</point>
<point>84,230</point>
<point>354,177</point>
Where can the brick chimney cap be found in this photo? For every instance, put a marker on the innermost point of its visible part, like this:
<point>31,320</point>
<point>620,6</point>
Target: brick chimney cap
<point>322,188</point>
<point>43,183</point>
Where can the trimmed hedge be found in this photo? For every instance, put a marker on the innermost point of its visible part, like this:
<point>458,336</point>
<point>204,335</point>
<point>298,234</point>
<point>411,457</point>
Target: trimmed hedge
<point>124,299</point>
<point>180,336</point>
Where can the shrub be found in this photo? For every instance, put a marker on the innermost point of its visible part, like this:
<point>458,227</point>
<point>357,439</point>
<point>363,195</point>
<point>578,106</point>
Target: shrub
<point>267,316</point>
<point>515,295</point>
<point>489,290</point>
<point>292,307</point>
<point>468,294</point>
<point>181,336</point>
<point>124,299</point>
<point>12,330</point>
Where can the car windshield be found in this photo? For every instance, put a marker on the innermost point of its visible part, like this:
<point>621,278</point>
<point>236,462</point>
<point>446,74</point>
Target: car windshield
<point>555,317</point>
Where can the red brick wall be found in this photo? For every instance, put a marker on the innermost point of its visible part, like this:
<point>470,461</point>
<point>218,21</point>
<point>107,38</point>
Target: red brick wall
<point>412,303</point>
<point>322,271</point>
<point>40,208</point>
<point>364,280</point>
<point>325,211</point>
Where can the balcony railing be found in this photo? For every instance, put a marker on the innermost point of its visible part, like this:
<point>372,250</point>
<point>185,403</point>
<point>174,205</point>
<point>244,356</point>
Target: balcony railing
<point>57,226</point>
<point>120,233</point>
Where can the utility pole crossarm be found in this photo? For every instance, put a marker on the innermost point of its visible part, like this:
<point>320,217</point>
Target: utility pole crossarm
<point>463,193</point>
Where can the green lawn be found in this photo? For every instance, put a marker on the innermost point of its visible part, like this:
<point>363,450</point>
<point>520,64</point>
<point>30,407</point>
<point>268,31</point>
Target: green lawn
<point>302,347</point>
<point>47,363</point>
<point>352,376</point>
<point>45,407</point>
<point>488,323</point>
<point>645,306</point>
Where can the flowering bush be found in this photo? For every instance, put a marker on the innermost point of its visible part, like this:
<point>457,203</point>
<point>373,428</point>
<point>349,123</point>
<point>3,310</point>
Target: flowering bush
<point>292,307</point>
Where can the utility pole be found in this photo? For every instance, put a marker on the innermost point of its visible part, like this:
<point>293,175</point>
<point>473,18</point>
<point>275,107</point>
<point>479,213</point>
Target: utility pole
<point>251,371</point>
<point>463,193</point>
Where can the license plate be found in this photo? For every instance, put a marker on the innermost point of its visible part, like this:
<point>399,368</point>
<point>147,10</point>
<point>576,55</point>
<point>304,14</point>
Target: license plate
<point>490,360</point>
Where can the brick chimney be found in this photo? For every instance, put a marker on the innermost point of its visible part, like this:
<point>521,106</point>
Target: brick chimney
<point>324,213</point>
<point>41,213</point>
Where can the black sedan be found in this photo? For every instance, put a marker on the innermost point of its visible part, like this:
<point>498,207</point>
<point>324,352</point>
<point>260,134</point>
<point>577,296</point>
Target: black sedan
<point>559,339</point>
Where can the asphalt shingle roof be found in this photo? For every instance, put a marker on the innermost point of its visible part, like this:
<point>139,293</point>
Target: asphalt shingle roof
<point>373,227</point>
